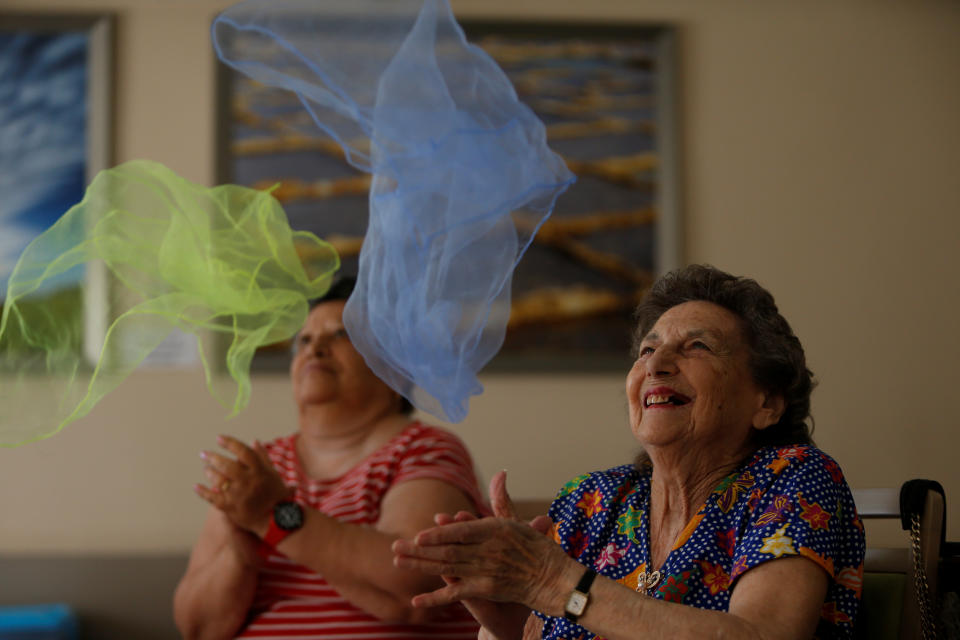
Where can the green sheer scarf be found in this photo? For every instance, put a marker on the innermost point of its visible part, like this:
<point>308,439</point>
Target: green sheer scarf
<point>220,263</point>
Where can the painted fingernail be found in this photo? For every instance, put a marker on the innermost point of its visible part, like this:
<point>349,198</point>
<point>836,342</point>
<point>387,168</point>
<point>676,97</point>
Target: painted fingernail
<point>203,455</point>
<point>220,439</point>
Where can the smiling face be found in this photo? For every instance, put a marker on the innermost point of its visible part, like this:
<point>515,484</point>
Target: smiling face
<point>691,385</point>
<point>326,368</point>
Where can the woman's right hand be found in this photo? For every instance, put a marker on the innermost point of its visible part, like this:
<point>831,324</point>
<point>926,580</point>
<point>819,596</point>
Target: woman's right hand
<point>245,487</point>
<point>499,619</point>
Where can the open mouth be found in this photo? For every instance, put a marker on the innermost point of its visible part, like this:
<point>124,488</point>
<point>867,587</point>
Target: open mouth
<point>664,397</point>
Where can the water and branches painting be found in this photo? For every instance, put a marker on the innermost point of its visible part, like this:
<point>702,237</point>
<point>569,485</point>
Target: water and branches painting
<point>603,93</point>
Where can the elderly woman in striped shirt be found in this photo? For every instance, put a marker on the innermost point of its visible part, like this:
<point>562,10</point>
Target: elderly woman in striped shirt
<point>297,542</point>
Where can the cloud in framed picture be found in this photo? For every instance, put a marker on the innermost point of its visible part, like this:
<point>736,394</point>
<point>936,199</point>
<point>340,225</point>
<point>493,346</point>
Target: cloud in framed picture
<point>54,137</point>
<point>43,129</point>
<point>605,95</point>
<point>55,127</point>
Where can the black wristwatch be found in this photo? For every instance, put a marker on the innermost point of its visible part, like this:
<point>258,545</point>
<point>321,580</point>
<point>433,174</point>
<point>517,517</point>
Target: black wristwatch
<point>287,518</point>
<point>577,602</point>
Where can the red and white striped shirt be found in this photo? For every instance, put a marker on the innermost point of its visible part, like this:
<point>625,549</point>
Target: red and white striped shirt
<point>293,601</point>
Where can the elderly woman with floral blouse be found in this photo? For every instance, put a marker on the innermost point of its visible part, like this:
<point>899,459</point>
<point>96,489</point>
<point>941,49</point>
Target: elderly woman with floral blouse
<point>729,524</point>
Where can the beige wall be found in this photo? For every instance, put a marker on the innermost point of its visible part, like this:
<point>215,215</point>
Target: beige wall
<point>821,144</point>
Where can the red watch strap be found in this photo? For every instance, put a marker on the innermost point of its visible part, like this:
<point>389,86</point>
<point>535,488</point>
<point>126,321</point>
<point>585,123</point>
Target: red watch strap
<point>274,534</point>
<point>271,539</point>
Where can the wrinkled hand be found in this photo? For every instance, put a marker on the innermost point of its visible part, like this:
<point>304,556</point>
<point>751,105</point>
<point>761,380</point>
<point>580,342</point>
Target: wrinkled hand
<point>246,487</point>
<point>497,619</point>
<point>499,559</point>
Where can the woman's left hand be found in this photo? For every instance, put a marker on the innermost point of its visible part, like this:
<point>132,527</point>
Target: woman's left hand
<point>246,487</point>
<point>499,559</point>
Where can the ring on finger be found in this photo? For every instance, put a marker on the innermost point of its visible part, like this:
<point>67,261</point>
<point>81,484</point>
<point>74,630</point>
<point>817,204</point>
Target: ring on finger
<point>224,485</point>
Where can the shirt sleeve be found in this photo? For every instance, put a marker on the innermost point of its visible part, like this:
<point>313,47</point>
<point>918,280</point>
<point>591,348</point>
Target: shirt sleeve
<point>807,510</point>
<point>437,454</point>
<point>570,522</point>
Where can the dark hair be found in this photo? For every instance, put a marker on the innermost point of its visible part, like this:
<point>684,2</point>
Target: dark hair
<point>341,290</point>
<point>777,361</point>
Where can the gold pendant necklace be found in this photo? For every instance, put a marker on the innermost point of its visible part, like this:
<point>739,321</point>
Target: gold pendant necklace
<point>647,580</point>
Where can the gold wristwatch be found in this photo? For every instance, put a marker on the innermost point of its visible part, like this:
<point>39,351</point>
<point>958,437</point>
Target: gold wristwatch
<point>579,597</point>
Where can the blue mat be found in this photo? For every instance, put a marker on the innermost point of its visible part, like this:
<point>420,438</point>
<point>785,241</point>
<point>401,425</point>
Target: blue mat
<point>38,622</point>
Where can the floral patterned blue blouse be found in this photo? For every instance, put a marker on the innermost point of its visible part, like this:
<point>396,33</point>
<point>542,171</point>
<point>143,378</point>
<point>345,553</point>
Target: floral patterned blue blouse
<point>784,501</point>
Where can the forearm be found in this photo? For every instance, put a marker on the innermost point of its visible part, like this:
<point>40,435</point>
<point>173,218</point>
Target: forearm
<point>618,613</point>
<point>212,600</point>
<point>760,608</point>
<point>357,561</point>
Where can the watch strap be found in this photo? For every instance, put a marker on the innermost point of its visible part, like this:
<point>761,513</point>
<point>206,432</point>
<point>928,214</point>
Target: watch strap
<point>275,533</point>
<point>586,581</point>
<point>583,587</point>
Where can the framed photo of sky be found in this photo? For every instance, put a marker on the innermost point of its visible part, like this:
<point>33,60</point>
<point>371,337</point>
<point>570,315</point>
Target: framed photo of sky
<point>55,114</point>
<point>606,95</point>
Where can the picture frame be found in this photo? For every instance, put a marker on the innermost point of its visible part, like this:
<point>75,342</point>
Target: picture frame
<point>606,94</point>
<point>57,128</point>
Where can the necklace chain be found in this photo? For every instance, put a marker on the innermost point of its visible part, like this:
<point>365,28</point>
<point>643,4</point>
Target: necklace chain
<point>647,580</point>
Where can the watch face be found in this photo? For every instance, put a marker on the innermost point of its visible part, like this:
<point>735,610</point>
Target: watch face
<point>577,603</point>
<point>288,516</point>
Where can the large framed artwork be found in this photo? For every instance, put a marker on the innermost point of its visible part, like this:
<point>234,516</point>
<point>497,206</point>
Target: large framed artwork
<point>605,94</point>
<point>55,135</point>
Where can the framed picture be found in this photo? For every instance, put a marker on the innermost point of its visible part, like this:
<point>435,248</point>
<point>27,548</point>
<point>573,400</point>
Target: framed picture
<point>605,94</point>
<point>55,115</point>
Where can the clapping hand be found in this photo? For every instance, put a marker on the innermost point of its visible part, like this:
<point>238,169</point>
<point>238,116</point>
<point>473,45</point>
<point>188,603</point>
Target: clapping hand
<point>244,487</point>
<point>495,566</point>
